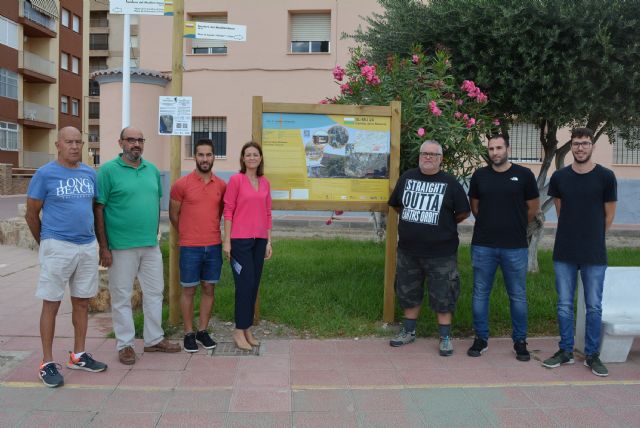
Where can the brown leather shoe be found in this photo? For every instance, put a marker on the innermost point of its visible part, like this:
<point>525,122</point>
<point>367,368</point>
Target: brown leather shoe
<point>127,355</point>
<point>163,346</point>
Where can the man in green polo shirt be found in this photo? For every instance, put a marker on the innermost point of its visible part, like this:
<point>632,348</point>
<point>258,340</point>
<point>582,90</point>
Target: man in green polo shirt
<point>127,217</point>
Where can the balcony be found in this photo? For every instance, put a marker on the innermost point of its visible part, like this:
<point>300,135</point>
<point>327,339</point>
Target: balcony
<point>36,69</point>
<point>99,26</point>
<point>36,159</point>
<point>36,23</point>
<point>32,115</point>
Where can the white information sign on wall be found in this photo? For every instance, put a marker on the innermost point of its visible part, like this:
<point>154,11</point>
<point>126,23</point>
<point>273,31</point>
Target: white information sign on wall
<point>215,31</point>
<point>174,116</point>
<point>140,7</point>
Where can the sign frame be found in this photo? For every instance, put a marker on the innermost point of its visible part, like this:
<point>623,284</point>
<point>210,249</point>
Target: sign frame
<point>393,111</point>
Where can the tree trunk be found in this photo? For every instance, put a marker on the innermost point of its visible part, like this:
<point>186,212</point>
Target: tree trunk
<point>535,230</point>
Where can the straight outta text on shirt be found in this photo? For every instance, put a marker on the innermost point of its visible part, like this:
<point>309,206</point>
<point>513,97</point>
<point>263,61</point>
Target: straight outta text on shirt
<point>422,201</point>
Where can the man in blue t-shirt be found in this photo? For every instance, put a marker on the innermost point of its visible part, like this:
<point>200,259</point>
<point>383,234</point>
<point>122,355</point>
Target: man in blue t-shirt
<point>64,190</point>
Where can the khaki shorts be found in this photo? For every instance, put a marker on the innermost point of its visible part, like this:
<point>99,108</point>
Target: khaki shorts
<point>442,277</point>
<point>63,263</point>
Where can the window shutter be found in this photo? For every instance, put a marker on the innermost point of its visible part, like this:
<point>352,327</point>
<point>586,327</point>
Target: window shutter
<point>203,43</point>
<point>311,27</point>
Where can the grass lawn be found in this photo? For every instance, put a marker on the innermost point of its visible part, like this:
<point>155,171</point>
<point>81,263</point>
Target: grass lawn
<point>334,288</point>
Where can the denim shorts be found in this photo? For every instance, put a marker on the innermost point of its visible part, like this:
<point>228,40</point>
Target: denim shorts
<point>200,264</point>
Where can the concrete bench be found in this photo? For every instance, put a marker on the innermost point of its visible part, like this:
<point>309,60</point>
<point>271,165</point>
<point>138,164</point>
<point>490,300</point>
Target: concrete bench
<point>620,314</point>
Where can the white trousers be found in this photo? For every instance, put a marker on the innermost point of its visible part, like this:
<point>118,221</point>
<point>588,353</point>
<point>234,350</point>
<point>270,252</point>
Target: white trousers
<point>146,264</point>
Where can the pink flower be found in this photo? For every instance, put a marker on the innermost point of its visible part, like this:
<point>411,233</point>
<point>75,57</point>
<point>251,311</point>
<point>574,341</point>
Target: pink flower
<point>338,73</point>
<point>459,102</point>
<point>375,80</point>
<point>482,98</point>
<point>339,212</point>
<point>324,101</point>
<point>328,222</point>
<point>457,115</point>
<point>362,62</point>
<point>468,85</point>
<point>434,109</point>
<point>465,117</point>
<point>346,88</point>
<point>471,122</point>
<point>415,59</point>
<point>496,122</point>
<point>420,132</point>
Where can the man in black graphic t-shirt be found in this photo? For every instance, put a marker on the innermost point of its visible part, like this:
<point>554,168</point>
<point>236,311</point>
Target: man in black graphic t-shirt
<point>430,203</point>
<point>585,196</point>
<point>504,199</point>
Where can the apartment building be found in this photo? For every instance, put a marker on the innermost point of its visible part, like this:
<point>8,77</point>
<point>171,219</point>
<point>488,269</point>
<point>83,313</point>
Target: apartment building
<point>42,76</point>
<point>105,52</point>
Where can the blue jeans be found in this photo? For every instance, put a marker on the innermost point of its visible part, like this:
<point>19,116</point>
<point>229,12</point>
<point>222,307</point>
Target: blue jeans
<point>200,264</point>
<point>592,281</point>
<point>513,263</point>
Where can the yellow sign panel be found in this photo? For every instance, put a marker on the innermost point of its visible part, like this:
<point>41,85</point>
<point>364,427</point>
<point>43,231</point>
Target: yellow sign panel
<point>319,157</point>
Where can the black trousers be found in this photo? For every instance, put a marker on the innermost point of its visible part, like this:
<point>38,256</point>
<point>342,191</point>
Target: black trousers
<point>247,259</point>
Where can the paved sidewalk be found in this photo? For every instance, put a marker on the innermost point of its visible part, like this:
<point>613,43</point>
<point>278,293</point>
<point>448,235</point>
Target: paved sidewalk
<point>295,383</point>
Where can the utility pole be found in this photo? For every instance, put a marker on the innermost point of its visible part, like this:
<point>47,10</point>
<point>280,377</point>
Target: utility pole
<point>175,161</point>
<point>126,72</point>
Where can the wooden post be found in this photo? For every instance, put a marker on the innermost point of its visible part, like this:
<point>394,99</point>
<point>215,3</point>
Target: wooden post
<point>175,161</point>
<point>256,135</point>
<point>388,310</point>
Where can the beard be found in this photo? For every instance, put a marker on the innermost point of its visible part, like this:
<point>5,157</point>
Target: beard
<point>499,161</point>
<point>204,168</point>
<point>133,157</point>
<point>585,160</point>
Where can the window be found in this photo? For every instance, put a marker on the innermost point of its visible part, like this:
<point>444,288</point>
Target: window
<point>524,140</point>
<point>310,32</point>
<point>76,23</point>
<point>214,128</point>
<point>622,153</point>
<point>75,107</point>
<point>64,18</point>
<point>64,61</point>
<point>64,104</point>
<point>94,110</point>
<point>99,42</point>
<point>8,84</point>
<point>8,33</point>
<point>75,64</point>
<point>94,88</point>
<point>202,46</point>
<point>8,136</point>
<point>134,42</point>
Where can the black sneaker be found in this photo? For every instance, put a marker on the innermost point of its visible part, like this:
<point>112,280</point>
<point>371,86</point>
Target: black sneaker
<point>520,348</point>
<point>190,344</point>
<point>596,366</point>
<point>203,338</point>
<point>85,362</point>
<point>478,348</point>
<point>559,358</point>
<point>50,375</point>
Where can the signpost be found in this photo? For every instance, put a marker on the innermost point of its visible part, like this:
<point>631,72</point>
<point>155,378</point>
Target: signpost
<point>213,31</point>
<point>141,7</point>
<point>174,116</point>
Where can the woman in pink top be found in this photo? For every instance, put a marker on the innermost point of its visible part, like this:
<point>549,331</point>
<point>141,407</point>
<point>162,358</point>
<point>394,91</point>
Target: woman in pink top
<point>247,236</point>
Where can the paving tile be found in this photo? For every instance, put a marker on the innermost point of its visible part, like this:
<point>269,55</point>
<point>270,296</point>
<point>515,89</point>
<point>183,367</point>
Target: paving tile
<point>324,420</point>
<point>559,396</point>
<point>414,361</point>
<point>151,378</point>
<point>614,395</point>
<point>529,372</point>
<point>435,400</point>
<point>212,378</point>
<point>110,419</point>
<point>391,419</point>
<point>335,378</point>
<point>162,361</point>
<point>461,418</point>
<point>521,418</point>
<point>625,416</point>
<point>429,376</point>
<point>351,362</point>
<point>109,377</point>
<point>206,362</point>
<point>260,363</point>
<point>75,400</point>
<point>19,399</point>
<point>11,418</point>
<point>373,377</point>
<point>48,419</point>
<point>339,401</point>
<point>315,347</point>
<point>372,400</point>
<point>260,400</point>
<point>380,346</point>
<point>497,398</point>
<point>261,420</point>
<point>136,401</point>
<point>475,376</point>
<point>189,419</point>
<point>579,418</point>
<point>267,378</point>
<point>275,347</point>
<point>200,401</point>
<point>315,362</point>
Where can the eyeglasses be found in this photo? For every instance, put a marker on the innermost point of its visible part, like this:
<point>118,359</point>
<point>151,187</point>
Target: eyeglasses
<point>132,140</point>
<point>430,155</point>
<point>584,144</point>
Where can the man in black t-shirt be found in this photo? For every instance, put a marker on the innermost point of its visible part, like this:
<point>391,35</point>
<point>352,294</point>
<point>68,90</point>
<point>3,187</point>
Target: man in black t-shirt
<point>504,199</point>
<point>431,203</point>
<point>585,196</point>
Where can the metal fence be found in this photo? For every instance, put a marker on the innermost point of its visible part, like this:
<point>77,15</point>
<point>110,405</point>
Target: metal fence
<point>213,128</point>
<point>624,155</point>
<point>524,140</point>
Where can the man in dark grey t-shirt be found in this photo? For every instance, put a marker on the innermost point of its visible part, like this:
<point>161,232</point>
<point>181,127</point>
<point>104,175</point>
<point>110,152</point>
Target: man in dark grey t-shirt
<point>585,198</point>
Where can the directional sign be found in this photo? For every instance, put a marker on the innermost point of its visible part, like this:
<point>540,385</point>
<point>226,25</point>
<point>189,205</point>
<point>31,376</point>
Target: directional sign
<point>174,116</point>
<point>214,31</point>
<point>141,7</point>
